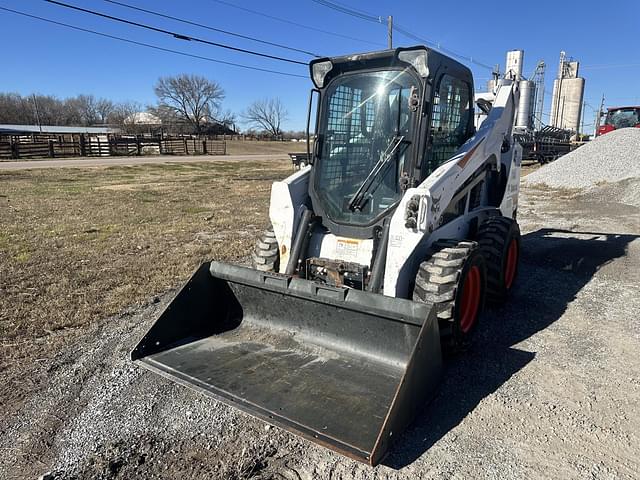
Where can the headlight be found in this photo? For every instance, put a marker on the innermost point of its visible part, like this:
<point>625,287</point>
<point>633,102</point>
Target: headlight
<point>417,58</point>
<point>319,71</point>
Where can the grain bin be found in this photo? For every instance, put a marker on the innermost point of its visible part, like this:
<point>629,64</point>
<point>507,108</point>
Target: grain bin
<point>526,104</point>
<point>566,108</point>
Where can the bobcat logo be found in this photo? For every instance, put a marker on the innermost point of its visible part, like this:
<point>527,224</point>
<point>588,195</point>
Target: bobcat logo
<point>435,205</point>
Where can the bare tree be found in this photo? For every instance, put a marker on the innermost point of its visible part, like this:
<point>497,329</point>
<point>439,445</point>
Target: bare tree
<point>267,114</point>
<point>124,115</point>
<point>53,111</point>
<point>12,109</point>
<point>104,108</point>
<point>84,109</point>
<point>292,134</point>
<point>190,98</point>
<point>31,109</point>
<point>169,118</point>
<point>90,110</point>
<point>227,119</point>
<point>49,110</point>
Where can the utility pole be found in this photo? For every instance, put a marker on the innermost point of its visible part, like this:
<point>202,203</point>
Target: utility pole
<point>390,30</point>
<point>598,116</point>
<point>35,104</point>
<point>581,131</point>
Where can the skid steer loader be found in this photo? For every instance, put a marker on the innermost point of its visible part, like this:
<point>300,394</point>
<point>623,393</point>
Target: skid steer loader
<point>382,251</point>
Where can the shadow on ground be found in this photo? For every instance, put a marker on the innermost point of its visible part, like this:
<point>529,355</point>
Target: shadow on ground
<point>555,266</point>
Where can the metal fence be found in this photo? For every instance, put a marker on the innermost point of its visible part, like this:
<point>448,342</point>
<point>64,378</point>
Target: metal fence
<point>13,147</point>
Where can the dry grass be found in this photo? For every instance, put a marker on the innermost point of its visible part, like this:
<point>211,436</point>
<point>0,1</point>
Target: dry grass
<point>249,147</point>
<point>80,245</point>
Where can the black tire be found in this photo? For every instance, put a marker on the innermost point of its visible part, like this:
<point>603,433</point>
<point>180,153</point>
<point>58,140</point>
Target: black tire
<point>498,237</point>
<point>266,255</point>
<point>441,280</point>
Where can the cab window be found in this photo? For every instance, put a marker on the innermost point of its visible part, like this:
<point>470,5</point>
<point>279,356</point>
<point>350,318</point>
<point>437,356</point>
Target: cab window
<point>449,121</point>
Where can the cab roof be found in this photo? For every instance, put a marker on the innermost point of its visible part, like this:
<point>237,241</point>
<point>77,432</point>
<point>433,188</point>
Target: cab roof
<point>613,109</point>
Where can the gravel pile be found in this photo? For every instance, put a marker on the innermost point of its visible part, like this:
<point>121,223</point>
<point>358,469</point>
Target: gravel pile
<point>610,158</point>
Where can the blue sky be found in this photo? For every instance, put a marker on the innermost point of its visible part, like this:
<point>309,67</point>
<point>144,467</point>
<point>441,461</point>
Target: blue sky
<point>49,59</point>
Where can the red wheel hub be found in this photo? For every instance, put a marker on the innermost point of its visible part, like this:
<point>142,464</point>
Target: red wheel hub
<point>511,265</point>
<point>470,301</point>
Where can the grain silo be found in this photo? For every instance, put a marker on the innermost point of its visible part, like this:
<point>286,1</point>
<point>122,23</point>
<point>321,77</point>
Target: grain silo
<point>526,104</point>
<point>513,67</point>
<point>568,94</point>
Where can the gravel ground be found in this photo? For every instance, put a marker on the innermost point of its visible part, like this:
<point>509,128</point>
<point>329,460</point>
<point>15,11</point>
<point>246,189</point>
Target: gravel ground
<point>625,192</point>
<point>550,388</point>
<point>610,158</point>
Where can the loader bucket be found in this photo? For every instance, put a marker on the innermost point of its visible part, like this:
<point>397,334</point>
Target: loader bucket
<point>344,368</point>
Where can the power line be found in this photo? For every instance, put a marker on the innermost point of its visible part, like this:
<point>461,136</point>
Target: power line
<point>178,36</point>
<point>591,107</point>
<point>290,22</point>
<point>148,45</point>
<point>602,67</point>
<point>213,29</point>
<point>408,34</point>
<point>350,11</point>
<point>438,46</point>
<point>623,99</point>
<point>398,28</point>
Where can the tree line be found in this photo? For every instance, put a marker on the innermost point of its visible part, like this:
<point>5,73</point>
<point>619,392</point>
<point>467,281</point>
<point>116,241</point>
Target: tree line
<point>185,104</point>
<point>83,110</point>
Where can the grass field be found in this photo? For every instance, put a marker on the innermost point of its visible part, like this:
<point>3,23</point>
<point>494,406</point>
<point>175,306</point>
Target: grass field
<point>248,147</point>
<point>80,245</point>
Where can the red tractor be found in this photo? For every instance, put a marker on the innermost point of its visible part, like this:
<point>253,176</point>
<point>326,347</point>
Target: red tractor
<point>619,117</point>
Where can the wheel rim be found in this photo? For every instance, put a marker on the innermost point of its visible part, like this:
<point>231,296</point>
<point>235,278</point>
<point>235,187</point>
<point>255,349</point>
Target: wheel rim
<point>470,302</point>
<point>511,265</point>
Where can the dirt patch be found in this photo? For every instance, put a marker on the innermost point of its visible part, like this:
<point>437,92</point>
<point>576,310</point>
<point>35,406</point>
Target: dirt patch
<point>131,186</point>
<point>528,167</point>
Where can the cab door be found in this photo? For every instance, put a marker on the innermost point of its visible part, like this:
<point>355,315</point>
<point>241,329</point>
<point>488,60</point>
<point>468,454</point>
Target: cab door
<point>450,122</point>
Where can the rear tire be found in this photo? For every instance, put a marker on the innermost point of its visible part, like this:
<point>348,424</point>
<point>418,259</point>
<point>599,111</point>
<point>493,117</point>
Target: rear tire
<point>266,255</point>
<point>499,239</point>
<point>453,280</point>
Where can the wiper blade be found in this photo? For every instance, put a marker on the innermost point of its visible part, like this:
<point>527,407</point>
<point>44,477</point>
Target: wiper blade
<point>358,199</point>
